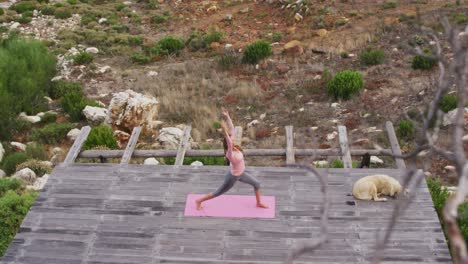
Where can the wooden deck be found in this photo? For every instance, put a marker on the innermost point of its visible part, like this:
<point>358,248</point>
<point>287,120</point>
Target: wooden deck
<point>106,213</point>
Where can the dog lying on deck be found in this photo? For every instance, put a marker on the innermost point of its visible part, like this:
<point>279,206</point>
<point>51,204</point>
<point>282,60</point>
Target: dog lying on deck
<point>370,187</point>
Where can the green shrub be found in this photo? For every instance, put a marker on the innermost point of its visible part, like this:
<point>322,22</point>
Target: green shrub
<point>62,13</point>
<point>83,58</point>
<point>140,58</point>
<point>88,18</point>
<point>213,36</point>
<point>461,18</point>
<point>423,62</point>
<point>1,11</point>
<point>169,45</point>
<point>11,161</point>
<point>48,11</point>
<point>101,136</point>
<point>13,208</point>
<point>51,133</point>
<point>229,60</point>
<point>405,129</point>
<point>12,184</point>
<point>337,164</point>
<point>372,56</point>
<point>418,40</point>
<point>256,51</point>
<point>72,2</point>
<point>28,14</point>
<point>39,167</point>
<point>158,19</point>
<point>345,84</point>
<point>73,104</point>
<point>24,6</point>
<point>21,126</point>
<point>448,103</point>
<point>60,88</point>
<point>36,151</point>
<point>23,19</point>
<point>277,36</point>
<point>135,40</point>
<point>389,4</point>
<point>3,29</point>
<point>48,118</point>
<point>120,6</point>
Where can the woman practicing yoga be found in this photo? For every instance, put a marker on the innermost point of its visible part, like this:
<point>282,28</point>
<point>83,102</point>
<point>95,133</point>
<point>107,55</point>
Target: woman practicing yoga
<point>237,171</point>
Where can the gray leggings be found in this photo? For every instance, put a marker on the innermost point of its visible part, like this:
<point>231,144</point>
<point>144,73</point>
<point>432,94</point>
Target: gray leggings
<point>230,179</point>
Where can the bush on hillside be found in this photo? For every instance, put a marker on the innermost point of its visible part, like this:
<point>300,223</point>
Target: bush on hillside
<point>24,6</point>
<point>372,56</point>
<point>83,58</point>
<point>448,103</point>
<point>48,11</point>
<point>158,19</point>
<point>36,151</point>
<point>26,69</point>
<point>48,118</point>
<point>1,11</point>
<point>13,184</point>
<point>11,161</point>
<point>39,167</point>
<point>169,45</point>
<point>73,104</point>
<point>256,51</point>
<point>23,19</point>
<point>51,133</point>
<point>62,13</point>
<point>389,4</point>
<point>102,135</point>
<point>140,58</point>
<point>198,41</point>
<point>345,84</point>
<point>405,130</point>
<point>228,60</point>
<point>13,208</point>
<point>62,87</point>
<point>423,62</point>
<point>135,40</point>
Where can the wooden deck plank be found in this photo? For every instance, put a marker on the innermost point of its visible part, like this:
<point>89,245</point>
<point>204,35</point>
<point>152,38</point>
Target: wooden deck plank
<point>136,217</point>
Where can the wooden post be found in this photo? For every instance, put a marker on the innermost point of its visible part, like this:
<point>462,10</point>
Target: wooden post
<point>400,163</point>
<point>76,147</point>
<point>289,145</point>
<point>130,146</point>
<point>238,135</point>
<point>345,152</point>
<point>183,146</point>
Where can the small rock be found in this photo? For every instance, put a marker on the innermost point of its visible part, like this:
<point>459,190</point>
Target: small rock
<point>127,3</point>
<point>449,117</point>
<point>427,174</point>
<point>104,69</point>
<point>95,114</point>
<point>317,77</point>
<point>253,123</point>
<point>2,152</point>
<point>314,128</point>
<point>152,74</point>
<point>394,100</point>
<point>301,109</point>
<point>35,13</point>
<point>335,105</point>
<point>320,163</point>
<point>40,182</point>
<point>18,146</point>
<point>262,116</point>
<point>293,47</point>
<point>395,49</point>
<point>282,68</point>
<point>423,153</point>
<point>321,32</point>
<point>30,119</point>
<point>73,134</point>
<point>450,168</point>
<point>332,135</point>
<point>228,17</point>
<point>228,47</point>
<point>464,138</point>
<point>366,115</point>
<point>361,142</point>
<point>376,160</point>
<point>48,99</point>
<point>15,25</point>
<point>196,163</point>
<point>92,50</point>
<point>244,10</point>
<point>121,136</point>
<point>432,42</point>
<point>2,174</point>
<point>151,161</point>
<point>26,175</point>
<point>298,17</point>
<point>102,20</point>
<point>57,150</point>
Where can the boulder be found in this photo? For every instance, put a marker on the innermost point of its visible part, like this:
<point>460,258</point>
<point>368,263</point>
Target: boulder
<point>121,136</point>
<point>376,160</point>
<point>196,163</point>
<point>130,109</point>
<point>2,174</point>
<point>18,146</point>
<point>293,47</point>
<point>30,119</point>
<point>2,152</point>
<point>320,163</point>
<point>170,137</point>
<point>26,175</point>
<point>39,183</point>
<point>151,161</point>
<point>332,135</point>
<point>449,117</point>
<point>298,17</point>
<point>73,134</point>
<point>92,50</point>
<point>96,115</point>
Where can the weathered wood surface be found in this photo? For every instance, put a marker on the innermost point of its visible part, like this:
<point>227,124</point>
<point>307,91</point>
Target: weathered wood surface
<point>344,146</point>
<point>220,153</point>
<point>289,145</point>
<point>238,135</point>
<point>76,147</point>
<point>400,163</point>
<point>183,146</point>
<point>131,146</point>
<point>104,213</point>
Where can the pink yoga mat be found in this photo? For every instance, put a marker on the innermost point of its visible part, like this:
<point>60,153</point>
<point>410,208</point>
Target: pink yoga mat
<point>240,206</point>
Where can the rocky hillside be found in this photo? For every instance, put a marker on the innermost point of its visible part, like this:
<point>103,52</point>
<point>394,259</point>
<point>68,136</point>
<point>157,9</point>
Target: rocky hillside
<point>163,64</point>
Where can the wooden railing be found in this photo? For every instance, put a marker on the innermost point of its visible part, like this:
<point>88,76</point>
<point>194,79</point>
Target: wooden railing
<point>345,152</point>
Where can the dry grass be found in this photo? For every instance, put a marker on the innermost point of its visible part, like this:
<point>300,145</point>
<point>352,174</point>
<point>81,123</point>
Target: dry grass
<point>194,91</point>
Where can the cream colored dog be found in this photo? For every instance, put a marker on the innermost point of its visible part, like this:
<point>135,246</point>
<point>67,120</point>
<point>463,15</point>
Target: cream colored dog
<point>370,187</point>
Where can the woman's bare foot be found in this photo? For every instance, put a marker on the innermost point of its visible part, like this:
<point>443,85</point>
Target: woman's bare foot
<point>261,205</point>
<point>199,206</point>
